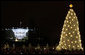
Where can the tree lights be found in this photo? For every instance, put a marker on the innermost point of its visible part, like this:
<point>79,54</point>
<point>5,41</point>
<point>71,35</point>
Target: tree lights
<point>70,39</point>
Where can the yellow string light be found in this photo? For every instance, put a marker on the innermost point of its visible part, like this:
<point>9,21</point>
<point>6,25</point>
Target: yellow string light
<point>64,44</point>
<point>73,32</point>
<point>79,40</point>
<point>61,35</point>
<point>71,41</point>
<point>72,19</point>
<point>76,36</point>
<point>71,13</point>
<point>64,25</point>
<point>78,46</point>
<point>74,25</point>
<point>69,33</point>
<point>78,33</point>
<point>73,46</point>
<point>71,10</point>
<point>75,29</point>
<point>67,21</point>
<point>74,14</point>
<point>68,25</point>
<point>63,41</point>
<point>71,27</point>
<point>65,48</point>
<point>63,29</point>
<point>75,41</point>
<point>66,18</point>
<point>77,22</point>
<point>68,12</point>
<point>70,22</point>
<point>67,40</point>
<point>69,17</point>
<point>69,45</point>
<point>66,34</point>
<point>66,29</point>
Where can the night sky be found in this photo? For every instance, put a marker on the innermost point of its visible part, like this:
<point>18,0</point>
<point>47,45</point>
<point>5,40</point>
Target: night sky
<point>47,16</point>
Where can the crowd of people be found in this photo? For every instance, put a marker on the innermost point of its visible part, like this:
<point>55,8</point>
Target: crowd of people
<point>7,49</point>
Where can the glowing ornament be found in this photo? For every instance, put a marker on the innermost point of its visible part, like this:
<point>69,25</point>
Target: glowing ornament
<point>70,5</point>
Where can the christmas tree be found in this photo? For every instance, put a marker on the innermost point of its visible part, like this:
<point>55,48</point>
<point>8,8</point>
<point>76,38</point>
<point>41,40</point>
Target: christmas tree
<point>70,35</point>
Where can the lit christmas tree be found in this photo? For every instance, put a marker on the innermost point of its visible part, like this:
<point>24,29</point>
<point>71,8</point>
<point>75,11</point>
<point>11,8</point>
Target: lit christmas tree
<point>70,35</point>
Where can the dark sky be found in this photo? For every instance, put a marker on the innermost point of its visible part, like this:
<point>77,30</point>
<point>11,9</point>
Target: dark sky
<point>47,16</point>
